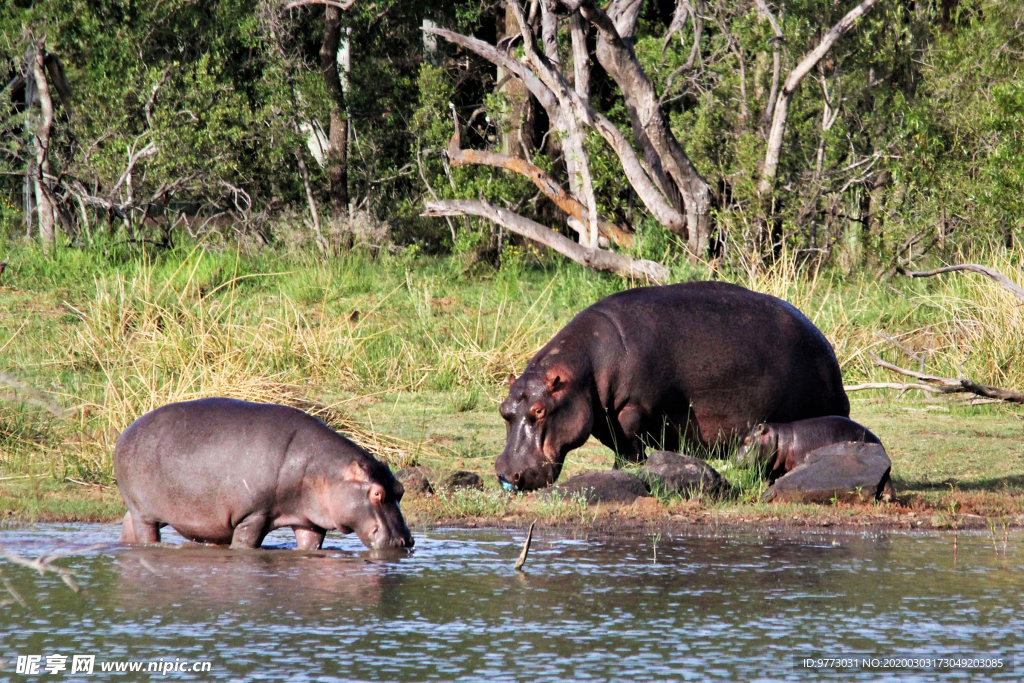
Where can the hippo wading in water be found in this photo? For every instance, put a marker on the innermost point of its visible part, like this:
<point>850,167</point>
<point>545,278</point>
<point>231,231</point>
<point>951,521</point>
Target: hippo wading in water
<point>219,470</point>
<point>783,447</point>
<point>699,362</point>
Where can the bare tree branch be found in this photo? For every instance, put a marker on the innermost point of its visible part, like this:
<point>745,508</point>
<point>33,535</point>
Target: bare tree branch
<point>580,56</point>
<point>671,168</point>
<point>990,273</point>
<point>773,95</point>
<point>25,394</point>
<point>598,259</point>
<point>950,385</point>
<point>330,3</point>
<point>321,243</point>
<point>545,183</point>
<point>778,129</point>
<point>901,387</point>
<point>44,202</point>
<point>576,151</point>
<point>634,170</point>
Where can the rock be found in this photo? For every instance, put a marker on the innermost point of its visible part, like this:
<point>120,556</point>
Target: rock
<point>463,480</point>
<point>415,480</point>
<point>682,475</point>
<point>850,472</point>
<point>607,486</point>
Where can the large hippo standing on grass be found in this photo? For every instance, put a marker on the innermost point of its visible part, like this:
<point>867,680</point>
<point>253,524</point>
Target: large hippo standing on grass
<point>699,362</point>
<point>219,470</point>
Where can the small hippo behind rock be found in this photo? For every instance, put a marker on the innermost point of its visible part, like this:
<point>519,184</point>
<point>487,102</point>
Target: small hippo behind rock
<point>223,471</point>
<point>850,472</point>
<point>781,447</point>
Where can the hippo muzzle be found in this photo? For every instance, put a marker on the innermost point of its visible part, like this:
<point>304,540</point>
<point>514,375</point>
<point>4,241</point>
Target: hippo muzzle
<point>383,536</point>
<point>528,473</point>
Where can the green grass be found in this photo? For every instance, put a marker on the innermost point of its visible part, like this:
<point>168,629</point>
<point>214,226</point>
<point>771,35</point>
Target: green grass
<point>409,354</point>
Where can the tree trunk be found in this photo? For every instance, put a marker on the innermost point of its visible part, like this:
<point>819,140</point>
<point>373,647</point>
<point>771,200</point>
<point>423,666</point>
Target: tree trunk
<point>517,139</point>
<point>337,151</point>
<point>580,55</point>
<point>778,129</point>
<point>44,204</point>
<point>670,166</point>
<point>633,168</point>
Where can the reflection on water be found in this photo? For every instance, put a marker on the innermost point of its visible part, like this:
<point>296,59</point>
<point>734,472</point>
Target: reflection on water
<point>735,607</point>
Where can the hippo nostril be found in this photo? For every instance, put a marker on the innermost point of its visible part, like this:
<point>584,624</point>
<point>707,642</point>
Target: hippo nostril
<point>517,477</point>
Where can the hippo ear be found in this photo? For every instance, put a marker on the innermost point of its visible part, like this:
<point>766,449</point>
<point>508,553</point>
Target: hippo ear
<point>557,380</point>
<point>356,473</point>
<point>510,380</point>
<point>760,429</point>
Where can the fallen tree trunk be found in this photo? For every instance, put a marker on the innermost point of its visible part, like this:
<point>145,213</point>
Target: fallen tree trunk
<point>990,273</point>
<point>927,388</point>
<point>948,385</point>
<point>598,259</point>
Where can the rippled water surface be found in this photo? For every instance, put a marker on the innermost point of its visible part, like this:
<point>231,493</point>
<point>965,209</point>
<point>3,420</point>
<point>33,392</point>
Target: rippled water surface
<point>599,607</point>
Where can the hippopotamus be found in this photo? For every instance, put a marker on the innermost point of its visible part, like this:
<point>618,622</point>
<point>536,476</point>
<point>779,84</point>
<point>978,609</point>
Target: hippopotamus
<point>781,447</point>
<point>224,471</point>
<point>697,362</point>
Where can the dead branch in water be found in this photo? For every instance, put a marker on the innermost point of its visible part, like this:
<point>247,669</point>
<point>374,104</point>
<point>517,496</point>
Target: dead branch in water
<point>526,548</point>
<point>990,273</point>
<point>948,385</point>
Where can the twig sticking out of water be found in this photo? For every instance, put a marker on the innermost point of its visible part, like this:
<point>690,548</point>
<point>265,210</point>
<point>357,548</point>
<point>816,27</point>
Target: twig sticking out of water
<point>526,548</point>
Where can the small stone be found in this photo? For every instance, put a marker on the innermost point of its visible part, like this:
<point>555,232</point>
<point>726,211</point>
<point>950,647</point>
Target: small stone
<point>415,481</point>
<point>682,475</point>
<point>464,480</point>
<point>850,472</point>
<point>608,486</point>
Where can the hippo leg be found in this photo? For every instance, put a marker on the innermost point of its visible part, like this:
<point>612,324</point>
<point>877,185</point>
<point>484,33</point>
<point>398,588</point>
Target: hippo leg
<point>127,529</point>
<point>308,539</point>
<point>250,533</point>
<point>135,531</point>
<point>629,449</point>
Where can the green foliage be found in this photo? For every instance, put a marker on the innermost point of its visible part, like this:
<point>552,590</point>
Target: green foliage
<point>904,140</point>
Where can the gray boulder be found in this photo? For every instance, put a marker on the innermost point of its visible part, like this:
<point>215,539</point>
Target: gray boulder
<point>682,475</point>
<point>850,472</point>
<point>605,486</point>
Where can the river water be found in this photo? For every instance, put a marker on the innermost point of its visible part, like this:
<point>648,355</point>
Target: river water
<point>737,607</point>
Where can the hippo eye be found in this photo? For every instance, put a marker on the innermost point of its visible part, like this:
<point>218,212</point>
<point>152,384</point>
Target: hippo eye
<point>376,494</point>
<point>537,411</point>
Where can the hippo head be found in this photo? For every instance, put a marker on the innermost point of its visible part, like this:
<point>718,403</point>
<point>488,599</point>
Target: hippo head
<point>546,416</point>
<point>758,446</point>
<point>366,500</point>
